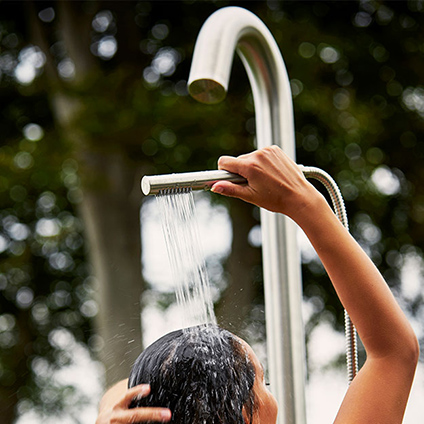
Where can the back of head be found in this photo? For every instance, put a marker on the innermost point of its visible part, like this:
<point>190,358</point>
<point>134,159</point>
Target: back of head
<point>203,374</point>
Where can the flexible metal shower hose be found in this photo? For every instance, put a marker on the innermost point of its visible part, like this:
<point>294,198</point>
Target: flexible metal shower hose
<point>339,208</point>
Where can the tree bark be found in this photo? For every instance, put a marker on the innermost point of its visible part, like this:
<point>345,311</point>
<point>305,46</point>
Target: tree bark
<point>110,209</point>
<point>110,206</point>
<point>112,224</point>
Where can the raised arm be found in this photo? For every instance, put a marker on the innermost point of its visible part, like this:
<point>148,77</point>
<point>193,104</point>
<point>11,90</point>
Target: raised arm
<point>380,391</point>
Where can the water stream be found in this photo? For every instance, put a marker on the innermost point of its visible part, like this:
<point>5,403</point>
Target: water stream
<point>185,252</point>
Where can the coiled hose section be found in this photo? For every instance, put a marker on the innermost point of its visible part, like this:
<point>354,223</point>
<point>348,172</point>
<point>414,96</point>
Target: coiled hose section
<point>339,209</point>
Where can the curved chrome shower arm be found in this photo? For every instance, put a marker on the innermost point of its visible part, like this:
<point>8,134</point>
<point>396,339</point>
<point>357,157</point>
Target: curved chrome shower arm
<point>233,29</point>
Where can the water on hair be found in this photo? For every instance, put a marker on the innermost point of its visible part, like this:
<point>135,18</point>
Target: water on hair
<point>181,232</point>
<point>203,376</point>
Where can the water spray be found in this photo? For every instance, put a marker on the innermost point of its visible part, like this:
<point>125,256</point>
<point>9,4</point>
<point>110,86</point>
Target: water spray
<point>204,180</point>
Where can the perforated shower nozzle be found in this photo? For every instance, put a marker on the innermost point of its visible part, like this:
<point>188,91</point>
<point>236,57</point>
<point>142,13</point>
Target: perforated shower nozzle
<point>202,180</point>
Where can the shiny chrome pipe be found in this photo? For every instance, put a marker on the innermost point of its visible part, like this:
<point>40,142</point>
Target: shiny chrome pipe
<point>203,180</point>
<point>233,29</point>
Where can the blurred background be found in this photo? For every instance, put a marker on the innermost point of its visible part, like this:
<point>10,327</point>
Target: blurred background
<point>93,96</point>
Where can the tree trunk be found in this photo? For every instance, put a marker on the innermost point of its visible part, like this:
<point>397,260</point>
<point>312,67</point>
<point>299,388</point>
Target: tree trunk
<point>8,402</point>
<point>111,214</point>
<point>110,207</point>
<point>110,210</point>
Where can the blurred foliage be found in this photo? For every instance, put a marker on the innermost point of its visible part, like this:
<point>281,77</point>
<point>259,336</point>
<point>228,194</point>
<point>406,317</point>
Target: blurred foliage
<point>44,279</point>
<point>356,75</point>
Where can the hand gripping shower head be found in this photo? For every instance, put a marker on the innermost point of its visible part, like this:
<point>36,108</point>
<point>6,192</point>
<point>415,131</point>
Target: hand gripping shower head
<point>202,180</point>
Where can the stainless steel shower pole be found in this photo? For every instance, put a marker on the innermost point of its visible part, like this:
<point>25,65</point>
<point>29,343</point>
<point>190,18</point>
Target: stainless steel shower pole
<point>233,29</point>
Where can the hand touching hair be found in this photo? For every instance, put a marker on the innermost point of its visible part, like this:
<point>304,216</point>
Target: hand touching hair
<point>202,374</point>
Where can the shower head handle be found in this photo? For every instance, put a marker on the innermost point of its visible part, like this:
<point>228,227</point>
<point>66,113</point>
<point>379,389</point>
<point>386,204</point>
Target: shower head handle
<point>202,180</point>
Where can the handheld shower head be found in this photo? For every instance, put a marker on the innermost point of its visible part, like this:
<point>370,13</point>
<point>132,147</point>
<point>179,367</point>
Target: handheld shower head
<point>203,180</point>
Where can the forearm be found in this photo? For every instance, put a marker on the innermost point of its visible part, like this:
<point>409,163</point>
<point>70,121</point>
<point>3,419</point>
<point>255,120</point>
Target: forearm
<point>381,324</point>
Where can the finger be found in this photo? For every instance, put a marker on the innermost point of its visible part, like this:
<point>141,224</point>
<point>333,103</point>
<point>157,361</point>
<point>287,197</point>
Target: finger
<point>145,414</point>
<point>230,164</point>
<point>226,188</point>
<point>136,392</point>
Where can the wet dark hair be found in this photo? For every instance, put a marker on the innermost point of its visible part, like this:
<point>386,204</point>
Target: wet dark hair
<point>202,374</point>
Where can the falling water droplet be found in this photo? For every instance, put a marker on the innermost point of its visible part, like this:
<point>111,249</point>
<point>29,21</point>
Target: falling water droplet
<point>186,257</point>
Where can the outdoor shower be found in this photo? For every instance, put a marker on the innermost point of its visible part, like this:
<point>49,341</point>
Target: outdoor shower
<point>228,30</point>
